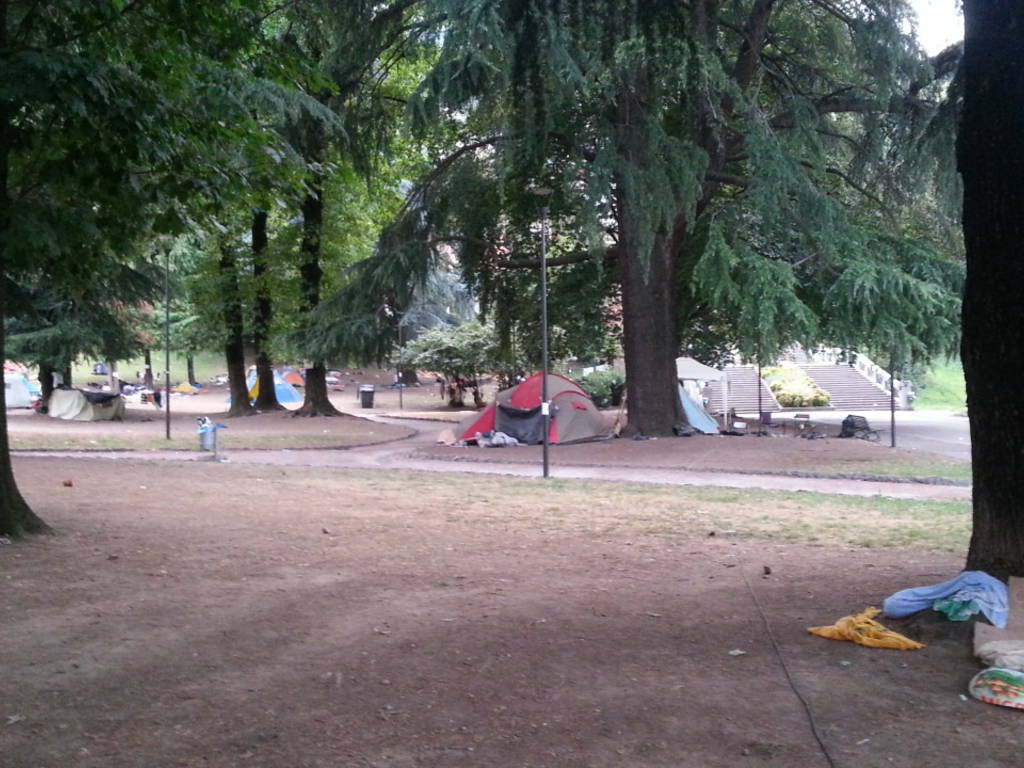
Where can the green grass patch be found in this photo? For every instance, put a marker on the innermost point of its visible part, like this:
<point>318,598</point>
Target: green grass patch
<point>942,387</point>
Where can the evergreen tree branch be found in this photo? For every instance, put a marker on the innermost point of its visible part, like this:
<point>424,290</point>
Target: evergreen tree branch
<point>130,6</point>
<point>443,165</point>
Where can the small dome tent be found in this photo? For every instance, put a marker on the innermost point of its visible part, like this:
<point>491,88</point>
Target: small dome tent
<point>516,412</point>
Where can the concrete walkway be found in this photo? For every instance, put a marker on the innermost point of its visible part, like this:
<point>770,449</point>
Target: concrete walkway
<point>400,455</point>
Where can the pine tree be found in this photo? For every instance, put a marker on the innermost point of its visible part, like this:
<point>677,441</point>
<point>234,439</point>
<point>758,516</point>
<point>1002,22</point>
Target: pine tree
<point>742,161</point>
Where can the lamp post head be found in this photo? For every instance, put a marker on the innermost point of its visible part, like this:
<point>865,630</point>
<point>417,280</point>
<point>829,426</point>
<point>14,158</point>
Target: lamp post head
<point>541,191</point>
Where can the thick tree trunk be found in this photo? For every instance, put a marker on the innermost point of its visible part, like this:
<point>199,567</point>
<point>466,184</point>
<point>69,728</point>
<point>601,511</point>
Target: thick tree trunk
<point>16,517</point>
<point>234,345</point>
<point>190,368</point>
<point>316,401</point>
<point>266,397</point>
<point>991,161</point>
<point>648,274</point>
<point>649,338</point>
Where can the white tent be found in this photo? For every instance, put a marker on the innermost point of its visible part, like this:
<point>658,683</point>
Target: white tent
<point>688,369</point>
<point>17,390</point>
<point>76,405</point>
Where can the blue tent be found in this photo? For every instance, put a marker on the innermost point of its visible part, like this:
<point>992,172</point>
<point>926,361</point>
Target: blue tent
<point>286,393</point>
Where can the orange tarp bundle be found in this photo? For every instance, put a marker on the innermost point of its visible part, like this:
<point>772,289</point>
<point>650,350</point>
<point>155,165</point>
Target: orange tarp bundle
<point>862,629</point>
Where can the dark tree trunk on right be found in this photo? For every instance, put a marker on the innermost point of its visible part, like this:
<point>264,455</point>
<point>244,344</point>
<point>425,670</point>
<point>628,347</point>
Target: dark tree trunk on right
<point>991,161</point>
<point>234,345</point>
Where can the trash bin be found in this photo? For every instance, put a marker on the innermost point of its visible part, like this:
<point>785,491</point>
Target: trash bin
<point>207,430</point>
<point>366,395</point>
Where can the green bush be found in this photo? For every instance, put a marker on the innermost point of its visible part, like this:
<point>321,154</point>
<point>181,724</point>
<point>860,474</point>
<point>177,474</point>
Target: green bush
<point>795,389</point>
<point>605,388</point>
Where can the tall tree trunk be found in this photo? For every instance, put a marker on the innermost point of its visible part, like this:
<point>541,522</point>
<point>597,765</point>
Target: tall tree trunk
<point>647,268</point>
<point>147,374</point>
<point>16,517</point>
<point>45,383</point>
<point>190,367</point>
<point>649,337</point>
<point>266,397</point>
<point>316,401</point>
<point>991,162</point>
<point>66,376</point>
<point>234,345</point>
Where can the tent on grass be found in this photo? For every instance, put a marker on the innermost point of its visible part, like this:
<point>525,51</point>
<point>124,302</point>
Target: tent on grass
<point>294,378</point>
<point>18,391</point>
<point>286,393</point>
<point>516,412</point>
<point>80,405</point>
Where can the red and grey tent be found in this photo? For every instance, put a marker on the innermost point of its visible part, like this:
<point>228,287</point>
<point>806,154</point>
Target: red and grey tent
<point>516,412</point>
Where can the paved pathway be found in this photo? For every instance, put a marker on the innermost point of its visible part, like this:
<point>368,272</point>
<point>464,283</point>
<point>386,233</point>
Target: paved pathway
<point>400,455</point>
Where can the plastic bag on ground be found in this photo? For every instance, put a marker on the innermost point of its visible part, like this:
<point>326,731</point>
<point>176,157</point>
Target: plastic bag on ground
<point>1000,686</point>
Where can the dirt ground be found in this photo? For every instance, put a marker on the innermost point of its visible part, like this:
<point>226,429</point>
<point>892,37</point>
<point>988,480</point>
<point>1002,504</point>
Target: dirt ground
<point>200,614</point>
<point>144,429</point>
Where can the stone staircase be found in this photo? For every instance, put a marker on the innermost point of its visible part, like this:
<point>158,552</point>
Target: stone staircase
<point>743,385</point>
<point>849,388</point>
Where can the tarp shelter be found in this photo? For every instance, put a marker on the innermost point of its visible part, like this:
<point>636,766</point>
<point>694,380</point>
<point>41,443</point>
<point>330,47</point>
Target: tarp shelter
<point>18,391</point>
<point>516,412</point>
<point>696,416</point>
<point>80,405</point>
<point>286,393</point>
<point>688,369</point>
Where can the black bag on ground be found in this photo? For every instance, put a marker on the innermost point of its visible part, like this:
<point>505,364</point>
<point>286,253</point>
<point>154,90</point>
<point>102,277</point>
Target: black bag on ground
<point>852,425</point>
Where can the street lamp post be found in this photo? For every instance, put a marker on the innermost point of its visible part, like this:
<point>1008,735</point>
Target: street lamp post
<point>545,406</point>
<point>167,342</point>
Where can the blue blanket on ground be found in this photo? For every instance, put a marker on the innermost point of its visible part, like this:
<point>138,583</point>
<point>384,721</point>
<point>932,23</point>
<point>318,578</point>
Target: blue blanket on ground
<point>989,593</point>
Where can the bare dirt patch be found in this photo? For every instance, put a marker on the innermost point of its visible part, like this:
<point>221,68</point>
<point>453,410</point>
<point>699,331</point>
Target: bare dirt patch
<point>144,428</point>
<point>225,615</point>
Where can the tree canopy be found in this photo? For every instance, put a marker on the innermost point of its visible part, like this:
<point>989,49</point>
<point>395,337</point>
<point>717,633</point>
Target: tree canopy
<point>753,166</point>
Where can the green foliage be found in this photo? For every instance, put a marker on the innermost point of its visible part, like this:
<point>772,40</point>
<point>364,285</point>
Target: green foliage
<point>795,389</point>
<point>795,179</point>
<point>455,351</point>
<point>941,387</point>
<point>605,388</point>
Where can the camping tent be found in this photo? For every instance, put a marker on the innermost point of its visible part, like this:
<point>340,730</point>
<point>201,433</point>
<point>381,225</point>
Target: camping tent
<point>516,412</point>
<point>688,369</point>
<point>18,391</point>
<point>294,378</point>
<point>286,393</point>
<point>696,416</point>
<point>79,405</point>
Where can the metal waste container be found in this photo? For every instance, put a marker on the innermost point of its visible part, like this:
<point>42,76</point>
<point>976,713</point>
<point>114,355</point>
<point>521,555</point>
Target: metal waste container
<point>207,430</point>
<point>366,395</point>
